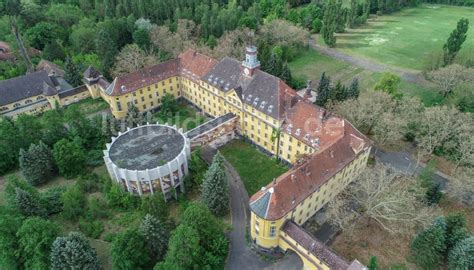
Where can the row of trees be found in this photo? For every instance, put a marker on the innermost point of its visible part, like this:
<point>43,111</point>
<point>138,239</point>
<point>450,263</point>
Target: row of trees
<point>327,92</point>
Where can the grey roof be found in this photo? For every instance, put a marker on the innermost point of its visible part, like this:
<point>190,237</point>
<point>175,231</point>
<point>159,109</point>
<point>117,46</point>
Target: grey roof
<point>91,72</point>
<point>146,147</point>
<point>49,90</point>
<point>209,125</point>
<point>260,206</point>
<point>22,87</point>
<point>72,91</point>
<point>261,91</point>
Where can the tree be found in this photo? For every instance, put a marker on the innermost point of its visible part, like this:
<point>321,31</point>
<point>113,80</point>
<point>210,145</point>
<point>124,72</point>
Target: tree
<point>156,206</point>
<point>274,65</point>
<point>72,74</point>
<point>169,105</point>
<point>13,9</point>
<point>429,245</point>
<point>156,236</point>
<point>461,186</point>
<point>141,37</point>
<point>456,230</point>
<point>53,51</point>
<point>69,157</point>
<point>330,23</point>
<point>373,260</point>
<point>36,236</point>
<point>129,250</point>
<point>215,189</point>
<point>36,163</point>
<point>323,90</point>
<point>455,41</point>
<point>353,91</point>
<point>448,78</point>
<point>462,255</point>
<point>389,84</point>
<point>184,250</point>
<point>10,256</point>
<point>134,117</point>
<point>386,198</point>
<point>28,204</point>
<point>106,48</point>
<point>74,202</point>
<point>286,74</point>
<point>131,58</point>
<point>73,252</point>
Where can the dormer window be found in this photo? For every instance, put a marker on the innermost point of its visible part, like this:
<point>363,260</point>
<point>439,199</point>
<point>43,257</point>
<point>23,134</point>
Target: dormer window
<point>270,108</point>
<point>298,132</point>
<point>306,136</point>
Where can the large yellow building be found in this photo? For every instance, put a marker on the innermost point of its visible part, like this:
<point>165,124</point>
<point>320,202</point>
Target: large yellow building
<point>327,151</point>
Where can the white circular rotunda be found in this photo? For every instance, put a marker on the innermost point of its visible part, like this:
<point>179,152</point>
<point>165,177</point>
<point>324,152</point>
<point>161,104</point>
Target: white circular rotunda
<point>148,159</point>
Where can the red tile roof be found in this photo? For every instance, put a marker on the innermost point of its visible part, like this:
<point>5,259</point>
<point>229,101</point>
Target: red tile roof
<point>312,125</point>
<point>301,181</point>
<point>190,63</point>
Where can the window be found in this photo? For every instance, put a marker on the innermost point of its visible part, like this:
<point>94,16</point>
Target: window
<point>272,231</point>
<point>119,106</point>
<point>163,83</point>
<point>143,98</point>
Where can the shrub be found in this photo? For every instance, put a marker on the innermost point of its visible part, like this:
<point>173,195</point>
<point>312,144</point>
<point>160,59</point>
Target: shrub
<point>97,209</point>
<point>90,183</point>
<point>51,200</point>
<point>129,251</point>
<point>91,229</point>
<point>156,206</point>
<point>109,237</point>
<point>69,157</point>
<point>74,202</point>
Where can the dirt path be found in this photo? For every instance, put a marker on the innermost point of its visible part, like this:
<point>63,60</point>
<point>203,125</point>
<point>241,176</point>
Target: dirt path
<point>409,75</point>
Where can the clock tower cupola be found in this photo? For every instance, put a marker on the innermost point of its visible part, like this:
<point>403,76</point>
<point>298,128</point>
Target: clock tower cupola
<point>251,62</point>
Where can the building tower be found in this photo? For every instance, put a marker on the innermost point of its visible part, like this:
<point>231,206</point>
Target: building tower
<point>251,62</point>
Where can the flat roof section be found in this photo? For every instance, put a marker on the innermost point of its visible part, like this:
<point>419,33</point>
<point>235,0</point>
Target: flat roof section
<point>146,147</point>
<point>209,125</point>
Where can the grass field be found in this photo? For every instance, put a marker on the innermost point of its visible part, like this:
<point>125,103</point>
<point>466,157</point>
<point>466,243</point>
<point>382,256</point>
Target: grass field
<point>254,167</point>
<point>187,117</point>
<point>309,64</point>
<point>407,38</point>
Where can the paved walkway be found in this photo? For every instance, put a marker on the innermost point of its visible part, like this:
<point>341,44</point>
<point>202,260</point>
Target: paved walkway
<point>408,75</point>
<point>240,256</point>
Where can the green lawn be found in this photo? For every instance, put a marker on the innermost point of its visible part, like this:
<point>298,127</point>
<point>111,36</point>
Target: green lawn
<point>254,167</point>
<point>409,37</point>
<point>309,64</point>
<point>187,117</point>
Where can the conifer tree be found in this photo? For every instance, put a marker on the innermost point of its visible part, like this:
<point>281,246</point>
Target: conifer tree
<point>455,41</point>
<point>53,51</point>
<point>429,245</point>
<point>71,73</point>
<point>462,255</point>
<point>106,127</point>
<point>353,91</point>
<point>156,236</point>
<point>215,189</point>
<point>27,204</point>
<point>456,230</point>
<point>134,117</point>
<point>73,252</point>
<point>274,66</point>
<point>36,163</point>
<point>323,90</point>
<point>106,48</point>
<point>330,23</point>
<point>353,14</point>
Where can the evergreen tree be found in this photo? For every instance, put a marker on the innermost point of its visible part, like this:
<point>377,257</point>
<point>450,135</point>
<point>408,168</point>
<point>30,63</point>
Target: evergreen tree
<point>169,105</point>
<point>72,73</point>
<point>353,91</point>
<point>215,189</point>
<point>53,51</point>
<point>286,74</point>
<point>429,245</point>
<point>462,255</point>
<point>184,251</point>
<point>373,265</point>
<point>353,13</point>
<point>73,252</point>
<point>28,204</point>
<point>455,41</point>
<point>274,66</point>
<point>106,49</point>
<point>129,251</point>
<point>36,163</point>
<point>456,230</point>
<point>106,127</point>
<point>134,117</point>
<point>330,23</point>
<point>323,90</point>
<point>113,126</point>
<point>156,236</point>
<point>339,92</point>
<point>141,37</point>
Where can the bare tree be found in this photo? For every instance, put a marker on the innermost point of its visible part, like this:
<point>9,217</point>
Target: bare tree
<point>391,200</point>
<point>461,186</point>
<point>437,126</point>
<point>283,33</point>
<point>449,77</point>
<point>184,38</point>
<point>232,43</point>
<point>131,58</point>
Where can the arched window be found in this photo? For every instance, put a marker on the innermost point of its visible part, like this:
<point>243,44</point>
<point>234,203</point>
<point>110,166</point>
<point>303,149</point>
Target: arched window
<point>3,109</point>
<point>28,101</point>
<point>16,105</point>
<point>39,97</point>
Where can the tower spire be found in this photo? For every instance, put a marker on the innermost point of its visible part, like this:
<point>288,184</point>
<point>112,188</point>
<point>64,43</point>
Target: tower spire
<point>251,63</point>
